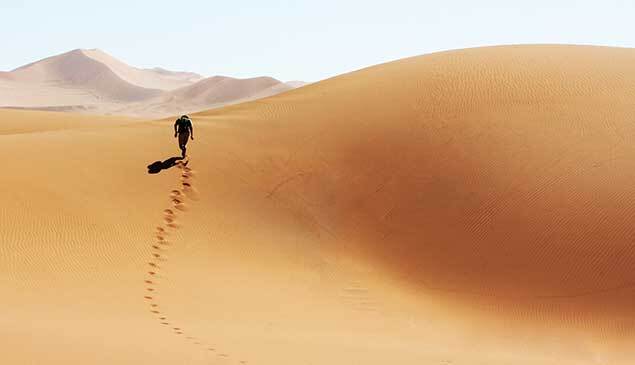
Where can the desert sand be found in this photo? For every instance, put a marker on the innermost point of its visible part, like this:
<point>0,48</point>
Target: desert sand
<point>465,207</point>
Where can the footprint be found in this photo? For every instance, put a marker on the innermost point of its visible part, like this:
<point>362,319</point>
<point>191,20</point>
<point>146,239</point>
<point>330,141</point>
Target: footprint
<point>181,207</point>
<point>160,247</point>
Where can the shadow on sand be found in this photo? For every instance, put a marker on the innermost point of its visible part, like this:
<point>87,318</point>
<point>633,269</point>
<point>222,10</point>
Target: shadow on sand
<point>158,166</point>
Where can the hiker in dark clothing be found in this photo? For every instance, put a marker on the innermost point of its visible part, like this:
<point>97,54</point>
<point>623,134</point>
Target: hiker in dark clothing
<point>183,128</point>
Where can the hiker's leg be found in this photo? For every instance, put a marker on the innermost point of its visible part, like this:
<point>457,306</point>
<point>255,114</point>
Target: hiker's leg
<point>183,137</point>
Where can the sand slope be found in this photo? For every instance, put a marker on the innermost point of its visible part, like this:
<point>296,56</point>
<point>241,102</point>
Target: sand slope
<point>466,207</point>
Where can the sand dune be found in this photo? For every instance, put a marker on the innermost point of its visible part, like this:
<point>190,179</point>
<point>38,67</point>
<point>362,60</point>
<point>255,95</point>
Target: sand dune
<point>464,207</point>
<point>149,78</point>
<point>208,93</point>
<point>75,70</point>
<point>221,89</point>
<point>94,82</point>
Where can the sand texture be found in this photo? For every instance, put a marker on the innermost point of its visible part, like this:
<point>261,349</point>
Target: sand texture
<point>471,207</point>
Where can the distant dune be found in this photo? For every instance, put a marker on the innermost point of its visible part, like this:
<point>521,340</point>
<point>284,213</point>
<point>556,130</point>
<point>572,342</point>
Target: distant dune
<point>208,93</point>
<point>149,78</point>
<point>76,70</point>
<point>463,207</point>
<point>220,89</point>
<point>95,82</point>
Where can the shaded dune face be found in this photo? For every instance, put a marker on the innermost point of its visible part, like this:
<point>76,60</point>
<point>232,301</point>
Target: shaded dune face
<point>498,176</point>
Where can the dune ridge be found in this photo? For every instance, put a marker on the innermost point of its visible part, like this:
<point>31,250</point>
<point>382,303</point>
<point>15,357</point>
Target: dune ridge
<point>156,78</point>
<point>463,207</point>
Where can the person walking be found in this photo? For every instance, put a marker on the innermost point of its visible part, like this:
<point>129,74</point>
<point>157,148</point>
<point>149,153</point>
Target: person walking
<point>183,129</point>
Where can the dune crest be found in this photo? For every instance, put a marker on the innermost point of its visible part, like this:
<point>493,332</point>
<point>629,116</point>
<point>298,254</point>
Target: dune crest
<point>149,78</point>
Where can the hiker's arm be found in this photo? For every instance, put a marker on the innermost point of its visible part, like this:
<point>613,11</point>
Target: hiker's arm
<point>191,132</point>
<point>175,123</point>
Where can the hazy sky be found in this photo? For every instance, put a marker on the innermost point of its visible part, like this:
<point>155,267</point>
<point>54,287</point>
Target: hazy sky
<point>297,40</point>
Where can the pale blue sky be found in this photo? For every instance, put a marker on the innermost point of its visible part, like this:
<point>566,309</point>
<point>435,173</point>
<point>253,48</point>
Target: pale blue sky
<point>297,40</point>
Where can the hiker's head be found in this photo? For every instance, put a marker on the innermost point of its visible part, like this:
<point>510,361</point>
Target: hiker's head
<point>185,117</point>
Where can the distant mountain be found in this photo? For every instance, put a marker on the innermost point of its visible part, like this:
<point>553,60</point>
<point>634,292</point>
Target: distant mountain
<point>92,81</point>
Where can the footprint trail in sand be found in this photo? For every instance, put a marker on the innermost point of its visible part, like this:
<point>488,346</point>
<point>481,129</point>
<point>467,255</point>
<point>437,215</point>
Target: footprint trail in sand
<point>160,246</point>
